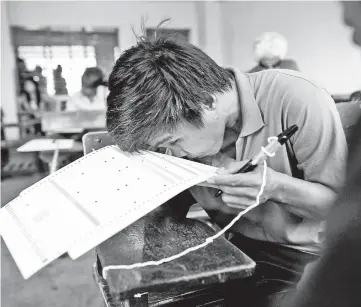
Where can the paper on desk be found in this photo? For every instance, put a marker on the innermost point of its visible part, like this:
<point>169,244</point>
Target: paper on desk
<point>46,145</point>
<point>90,200</point>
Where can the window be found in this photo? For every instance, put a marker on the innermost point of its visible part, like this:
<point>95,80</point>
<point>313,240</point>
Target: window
<point>74,49</point>
<point>179,33</point>
<point>73,59</point>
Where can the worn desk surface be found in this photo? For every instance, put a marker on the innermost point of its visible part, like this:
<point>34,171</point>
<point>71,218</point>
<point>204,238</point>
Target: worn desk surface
<point>51,144</point>
<point>154,237</point>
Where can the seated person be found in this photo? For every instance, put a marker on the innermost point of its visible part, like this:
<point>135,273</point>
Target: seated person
<point>92,95</point>
<point>169,94</point>
<point>30,104</point>
<point>270,50</point>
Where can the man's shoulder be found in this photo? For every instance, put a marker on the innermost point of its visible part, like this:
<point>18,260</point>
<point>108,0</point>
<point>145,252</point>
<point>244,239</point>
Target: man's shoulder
<point>102,91</point>
<point>285,78</point>
<point>256,68</point>
<point>289,87</point>
<point>290,91</point>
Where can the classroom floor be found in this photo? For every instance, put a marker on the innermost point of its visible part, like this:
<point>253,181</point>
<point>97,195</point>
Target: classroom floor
<point>63,283</point>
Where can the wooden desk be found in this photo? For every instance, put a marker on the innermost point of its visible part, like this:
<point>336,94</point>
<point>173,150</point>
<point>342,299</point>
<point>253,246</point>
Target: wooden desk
<point>72,122</point>
<point>157,236</point>
<point>199,278</point>
<point>52,146</point>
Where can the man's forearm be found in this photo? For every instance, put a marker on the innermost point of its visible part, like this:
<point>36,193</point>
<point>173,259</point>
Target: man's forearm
<point>303,198</point>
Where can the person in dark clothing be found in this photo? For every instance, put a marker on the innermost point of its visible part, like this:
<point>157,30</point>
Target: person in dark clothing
<point>30,102</point>
<point>335,279</point>
<point>59,81</point>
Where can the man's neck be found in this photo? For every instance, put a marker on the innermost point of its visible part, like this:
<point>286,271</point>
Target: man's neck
<point>234,109</point>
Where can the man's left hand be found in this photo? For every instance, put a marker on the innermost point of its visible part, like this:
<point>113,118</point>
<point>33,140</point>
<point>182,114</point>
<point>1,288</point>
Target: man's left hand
<point>240,190</point>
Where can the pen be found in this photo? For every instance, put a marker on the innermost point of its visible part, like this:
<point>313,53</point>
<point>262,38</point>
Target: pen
<point>274,144</point>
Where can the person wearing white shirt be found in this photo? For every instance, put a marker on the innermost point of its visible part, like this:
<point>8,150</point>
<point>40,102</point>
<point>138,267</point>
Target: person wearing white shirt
<point>93,93</point>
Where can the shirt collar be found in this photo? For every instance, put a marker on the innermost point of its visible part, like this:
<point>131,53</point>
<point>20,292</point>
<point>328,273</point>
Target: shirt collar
<point>251,115</point>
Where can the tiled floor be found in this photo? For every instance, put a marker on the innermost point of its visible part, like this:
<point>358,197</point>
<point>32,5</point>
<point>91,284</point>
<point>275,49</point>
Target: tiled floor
<point>63,283</point>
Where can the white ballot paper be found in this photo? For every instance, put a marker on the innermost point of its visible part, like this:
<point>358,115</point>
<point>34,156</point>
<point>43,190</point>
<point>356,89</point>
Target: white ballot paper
<point>83,204</point>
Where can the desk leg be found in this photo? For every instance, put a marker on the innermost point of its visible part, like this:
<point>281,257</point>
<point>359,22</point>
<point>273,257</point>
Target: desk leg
<point>39,164</point>
<point>54,161</point>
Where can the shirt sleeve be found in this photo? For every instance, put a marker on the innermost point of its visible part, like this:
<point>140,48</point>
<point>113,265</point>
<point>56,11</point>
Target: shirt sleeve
<point>319,145</point>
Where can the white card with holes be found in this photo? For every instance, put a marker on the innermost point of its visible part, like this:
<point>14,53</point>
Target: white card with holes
<point>83,204</point>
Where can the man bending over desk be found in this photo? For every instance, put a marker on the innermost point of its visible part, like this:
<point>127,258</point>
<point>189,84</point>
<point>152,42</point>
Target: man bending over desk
<point>169,94</point>
<point>92,95</point>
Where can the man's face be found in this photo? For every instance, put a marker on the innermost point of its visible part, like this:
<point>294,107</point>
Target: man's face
<point>193,142</point>
<point>352,17</point>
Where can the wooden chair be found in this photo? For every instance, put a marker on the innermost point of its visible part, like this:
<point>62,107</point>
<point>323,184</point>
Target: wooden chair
<point>96,140</point>
<point>203,277</point>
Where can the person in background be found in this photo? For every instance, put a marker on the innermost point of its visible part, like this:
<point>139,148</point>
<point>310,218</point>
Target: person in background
<point>334,280</point>
<point>30,103</point>
<point>31,95</point>
<point>93,93</point>
<point>38,75</point>
<point>269,51</point>
<point>22,73</point>
<point>59,81</point>
<point>47,102</point>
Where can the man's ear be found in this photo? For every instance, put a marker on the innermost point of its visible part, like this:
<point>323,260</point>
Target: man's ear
<point>211,104</point>
<point>210,108</point>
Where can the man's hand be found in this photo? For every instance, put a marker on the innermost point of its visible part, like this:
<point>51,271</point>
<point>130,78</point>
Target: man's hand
<point>240,190</point>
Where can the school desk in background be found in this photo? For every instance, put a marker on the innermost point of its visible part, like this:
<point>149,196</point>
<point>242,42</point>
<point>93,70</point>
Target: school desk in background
<point>73,121</point>
<point>58,149</point>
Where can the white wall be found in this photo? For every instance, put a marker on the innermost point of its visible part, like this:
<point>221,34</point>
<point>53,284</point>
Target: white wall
<point>8,90</point>
<point>121,14</point>
<point>213,30</point>
<point>318,39</point>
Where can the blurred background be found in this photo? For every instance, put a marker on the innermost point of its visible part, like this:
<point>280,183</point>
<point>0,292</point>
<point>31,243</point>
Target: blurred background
<point>58,40</point>
<point>46,47</point>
